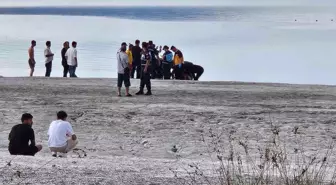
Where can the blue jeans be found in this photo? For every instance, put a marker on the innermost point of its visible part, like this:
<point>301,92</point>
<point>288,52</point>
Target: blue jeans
<point>72,71</point>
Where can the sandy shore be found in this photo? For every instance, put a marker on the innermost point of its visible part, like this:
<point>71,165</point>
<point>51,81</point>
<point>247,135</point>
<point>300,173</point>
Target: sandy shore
<point>130,140</point>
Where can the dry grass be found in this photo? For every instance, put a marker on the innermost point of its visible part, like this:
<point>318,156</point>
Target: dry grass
<point>235,164</point>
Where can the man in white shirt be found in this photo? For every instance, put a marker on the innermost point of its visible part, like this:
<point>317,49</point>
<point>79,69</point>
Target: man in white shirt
<point>71,57</point>
<point>62,138</point>
<point>49,56</point>
<point>123,70</point>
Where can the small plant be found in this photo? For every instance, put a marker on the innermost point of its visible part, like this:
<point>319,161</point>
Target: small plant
<point>277,164</point>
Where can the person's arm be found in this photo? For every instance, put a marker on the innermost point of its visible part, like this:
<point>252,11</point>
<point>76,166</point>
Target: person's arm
<point>147,63</point>
<point>32,138</point>
<point>70,132</point>
<point>66,55</point>
<point>75,54</point>
<point>48,53</point>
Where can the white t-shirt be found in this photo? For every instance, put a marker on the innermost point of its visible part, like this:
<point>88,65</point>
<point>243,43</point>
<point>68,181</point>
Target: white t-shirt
<point>122,58</point>
<point>71,54</point>
<point>59,132</point>
<point>47,51</point>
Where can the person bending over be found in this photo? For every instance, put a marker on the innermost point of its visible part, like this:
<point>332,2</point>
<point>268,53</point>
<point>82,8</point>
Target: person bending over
<point>191,70</point>
<point>20,136</point>
<point>62,138</point>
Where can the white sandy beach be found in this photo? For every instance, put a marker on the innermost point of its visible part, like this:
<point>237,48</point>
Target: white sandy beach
<point>129,140</point>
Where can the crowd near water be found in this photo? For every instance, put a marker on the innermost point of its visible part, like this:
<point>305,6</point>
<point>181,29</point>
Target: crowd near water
<point>134,61</point>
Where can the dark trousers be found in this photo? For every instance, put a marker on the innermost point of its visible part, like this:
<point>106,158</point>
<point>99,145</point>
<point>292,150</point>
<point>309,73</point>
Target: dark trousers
<point>145,79</point>
<point>199,71</point>
<point>178,72</point>
<point>65,70</point>
<point>72,71</point>
<point>48,69</point>
<point>136,68</point>
<point>166,70</point>
<point>154,66</point>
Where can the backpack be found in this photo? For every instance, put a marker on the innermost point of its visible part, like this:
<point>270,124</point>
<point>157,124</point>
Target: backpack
<point>169,57</point>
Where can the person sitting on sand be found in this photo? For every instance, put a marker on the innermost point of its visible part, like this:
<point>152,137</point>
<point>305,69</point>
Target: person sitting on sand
<point>130,58</point>
<point>62,138</point>
<point>20,136</point>
<point>31,60</point>
<point>123,70</point>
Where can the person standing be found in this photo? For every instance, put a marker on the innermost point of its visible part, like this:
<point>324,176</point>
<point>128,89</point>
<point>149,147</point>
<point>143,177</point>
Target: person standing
<point>136,53</point>
<point>123,70</point>
<point>64,60</point>
<point>146,59</point>
<point>49,56</point>
<point>155,73</point>
<point>21,135</point>
<point>72,60</point>
<point>130,58</point>
<point>178,63</point>
<point>167,62</point>
<point>31,60</point>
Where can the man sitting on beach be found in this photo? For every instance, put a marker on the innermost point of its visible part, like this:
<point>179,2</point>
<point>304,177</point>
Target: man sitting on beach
<point>31,60</point>
<point>71,57</point>
<point>20,136</point>
<point>62,138</point>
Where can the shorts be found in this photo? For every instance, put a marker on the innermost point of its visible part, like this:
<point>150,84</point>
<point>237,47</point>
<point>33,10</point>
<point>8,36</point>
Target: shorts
<point>31,151</point>
<point>31,64</point>
<point>124,78</point>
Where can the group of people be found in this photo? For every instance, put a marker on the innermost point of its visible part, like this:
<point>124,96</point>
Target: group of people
<point>62,138</point>
<point>69,58</point>
<point>147,64</point>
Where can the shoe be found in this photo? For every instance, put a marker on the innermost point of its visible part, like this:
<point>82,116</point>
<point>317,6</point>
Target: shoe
<point>129,95</point>
<point>148,93</point>
<point>139,93</point>
<point>54,154</point>
<point>62,155</point>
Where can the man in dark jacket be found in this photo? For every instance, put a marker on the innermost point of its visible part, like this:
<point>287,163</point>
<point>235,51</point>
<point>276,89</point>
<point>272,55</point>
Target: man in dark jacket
<point>136,53</point>
<point>64,61</point>
<point>195,71</point>
<point>21,135</point>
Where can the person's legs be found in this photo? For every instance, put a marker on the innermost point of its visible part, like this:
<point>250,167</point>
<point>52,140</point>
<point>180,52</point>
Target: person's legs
<point>31,150</point>
<point>199,72</point>
<point>166,71</point>
<point>48,69</point>
<point>71,145</point>
<point>127,84</point>
<point>154,68</point>
<point>71,71</point>
<point>32,67</point>
<point>138,71</point>
<point>75,67</point>
<point>65,70</point>
<point>120,81</point>
<point>148,82</point>
<point>133,69</point>
<point>142,82</point>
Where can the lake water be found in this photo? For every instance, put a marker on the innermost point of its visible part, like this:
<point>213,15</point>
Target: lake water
<point>259,44</point>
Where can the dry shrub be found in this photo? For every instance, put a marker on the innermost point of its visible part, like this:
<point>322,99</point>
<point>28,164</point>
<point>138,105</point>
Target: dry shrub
<point>276,164</point>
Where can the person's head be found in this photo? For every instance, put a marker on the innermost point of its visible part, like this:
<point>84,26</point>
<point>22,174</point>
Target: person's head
<point>123,47</point>
<point>173,48</point>
<point>74,44</point>
<point>66,44</point>
<point>165,48</point>
<point>48,43</point>
<point>137,42</point>
<point>144,46</point>
<point>62,115</point>
<point>27,118</point>
<point>130,46</point>
<point>33,43</point>
<point>150,43</point>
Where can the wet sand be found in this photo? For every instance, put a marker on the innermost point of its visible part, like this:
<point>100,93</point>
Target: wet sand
<point>130,140</point>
